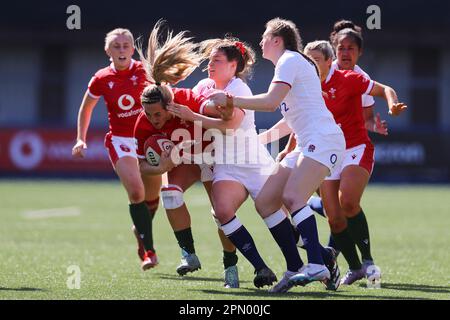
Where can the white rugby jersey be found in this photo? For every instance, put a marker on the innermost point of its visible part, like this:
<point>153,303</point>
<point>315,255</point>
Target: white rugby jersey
<point>367,100</point>
<point>303,107</point>
<point>243,147</point>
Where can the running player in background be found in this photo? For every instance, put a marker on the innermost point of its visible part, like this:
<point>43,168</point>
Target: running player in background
<point>167,64</point>
<point>295,88</point>
<point>342,191</point>
<point>121,85</point>
<point>346,39</point>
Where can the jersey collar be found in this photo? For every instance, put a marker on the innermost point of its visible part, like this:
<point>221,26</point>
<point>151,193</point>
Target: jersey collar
<point>331,72</point>
<point>129,68</point>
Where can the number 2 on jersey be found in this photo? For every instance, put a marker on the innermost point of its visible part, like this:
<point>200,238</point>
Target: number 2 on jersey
<point>284,107</point>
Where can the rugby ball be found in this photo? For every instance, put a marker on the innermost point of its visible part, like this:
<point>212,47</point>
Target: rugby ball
<point>154,146</point>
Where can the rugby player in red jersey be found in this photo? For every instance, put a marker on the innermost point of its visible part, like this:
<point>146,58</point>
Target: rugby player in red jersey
<point>121,84</point>
<point>167,64</point>
<point>342,191</point>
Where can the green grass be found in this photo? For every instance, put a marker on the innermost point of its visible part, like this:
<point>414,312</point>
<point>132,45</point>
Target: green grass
<point>409,229</point>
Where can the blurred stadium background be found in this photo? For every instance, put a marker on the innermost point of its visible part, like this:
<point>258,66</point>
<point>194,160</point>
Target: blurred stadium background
<point>45,69</point>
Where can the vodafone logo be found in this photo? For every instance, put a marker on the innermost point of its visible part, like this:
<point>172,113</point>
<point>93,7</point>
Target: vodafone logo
<point>26,150</point>
<point>124,148</point>
<point>126,102</point>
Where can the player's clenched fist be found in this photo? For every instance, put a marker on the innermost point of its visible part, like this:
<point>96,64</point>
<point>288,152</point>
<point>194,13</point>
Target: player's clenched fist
<point>79,149</point>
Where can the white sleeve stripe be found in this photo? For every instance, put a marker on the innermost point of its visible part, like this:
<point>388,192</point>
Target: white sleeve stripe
<point>140,157</point>
<point>370,87</point>
<point>92,95</point>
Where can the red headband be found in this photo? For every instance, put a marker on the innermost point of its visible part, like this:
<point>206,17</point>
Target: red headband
<point>241,47</point>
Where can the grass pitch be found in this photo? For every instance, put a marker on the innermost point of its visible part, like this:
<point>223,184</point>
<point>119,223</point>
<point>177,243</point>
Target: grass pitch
<point>89,228</point>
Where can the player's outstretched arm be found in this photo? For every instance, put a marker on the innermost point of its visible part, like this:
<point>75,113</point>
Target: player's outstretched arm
<point>389,94</point>
<point>267,102</point>
<point>278,131</point>
<point>225,126</point>
<point>84,118</point>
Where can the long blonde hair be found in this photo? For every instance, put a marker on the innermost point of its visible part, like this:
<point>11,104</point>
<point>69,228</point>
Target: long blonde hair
<point>167,63</point>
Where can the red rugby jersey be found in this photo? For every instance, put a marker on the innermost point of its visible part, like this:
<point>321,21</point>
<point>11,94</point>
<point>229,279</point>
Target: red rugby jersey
<point>121,90</point>
<point>342,93</point>
<point>144,129</point>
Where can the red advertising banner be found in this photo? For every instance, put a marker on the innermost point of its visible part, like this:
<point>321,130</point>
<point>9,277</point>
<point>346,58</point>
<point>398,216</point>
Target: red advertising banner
<point>50,151</point>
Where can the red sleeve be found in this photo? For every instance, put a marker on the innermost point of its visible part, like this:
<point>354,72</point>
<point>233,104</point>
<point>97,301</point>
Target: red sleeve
<point>358,83</point>
<point>188,98</point>
<point>94,88</point>
<point>142,130</point>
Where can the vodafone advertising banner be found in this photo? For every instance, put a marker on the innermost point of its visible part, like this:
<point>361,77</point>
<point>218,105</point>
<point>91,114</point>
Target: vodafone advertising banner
<point>50,151</point>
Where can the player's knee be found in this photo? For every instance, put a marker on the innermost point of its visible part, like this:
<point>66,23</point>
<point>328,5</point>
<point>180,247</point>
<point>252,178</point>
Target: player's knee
<point>264,206</point>
<point>152,204</point>
<point>337,224</point>
<point>223,214</point>
<point>290,201</point>
<point>349,204</point>
<point>172,197</point>
<point>136,194</point>
<point>259,205</point>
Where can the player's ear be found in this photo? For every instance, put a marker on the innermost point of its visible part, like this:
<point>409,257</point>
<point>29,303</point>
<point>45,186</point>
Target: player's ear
<point>108,52</point>
<point>277,40</point>
<point>330,62</point>
<point>234,64</point>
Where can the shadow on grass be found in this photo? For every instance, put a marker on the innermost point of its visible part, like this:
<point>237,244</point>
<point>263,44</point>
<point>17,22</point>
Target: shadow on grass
<point>167,276</point>
<point>23,289</point>
<point>315,295</point>
<point>413,287</point>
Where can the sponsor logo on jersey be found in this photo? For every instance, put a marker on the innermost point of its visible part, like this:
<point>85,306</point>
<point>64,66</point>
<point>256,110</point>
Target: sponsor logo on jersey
<point>110,84</point>
<point>311,148</point>
<point>129,113</point>
<point>124,148</point>
<point>126,102</point>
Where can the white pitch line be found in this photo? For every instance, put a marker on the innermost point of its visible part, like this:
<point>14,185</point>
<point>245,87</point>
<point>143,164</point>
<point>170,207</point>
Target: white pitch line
<point>52,213</point>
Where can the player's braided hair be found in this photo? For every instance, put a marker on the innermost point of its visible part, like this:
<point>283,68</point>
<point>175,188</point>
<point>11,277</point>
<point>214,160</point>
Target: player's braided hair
<point>346,28</point>
<point>288,31</point>
<point>234,50</point>
<point>167,63</point>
